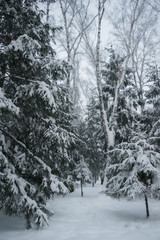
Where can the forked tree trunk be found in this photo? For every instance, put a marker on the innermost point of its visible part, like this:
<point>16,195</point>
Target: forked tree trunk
<point>147,207</point>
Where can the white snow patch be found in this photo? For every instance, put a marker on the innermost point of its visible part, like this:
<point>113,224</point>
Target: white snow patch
<point>21,42</point>
<point>92,217</point>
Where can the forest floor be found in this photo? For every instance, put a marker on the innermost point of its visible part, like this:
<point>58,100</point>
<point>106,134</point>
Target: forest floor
<point>93,217</point>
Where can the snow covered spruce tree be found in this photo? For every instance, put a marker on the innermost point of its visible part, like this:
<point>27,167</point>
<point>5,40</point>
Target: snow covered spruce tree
<point>35,130</point>
<point>94,138</point>
<point>152,112</point>
<point>82,173</point>
<point>122,113</point>
<point>134,170</point>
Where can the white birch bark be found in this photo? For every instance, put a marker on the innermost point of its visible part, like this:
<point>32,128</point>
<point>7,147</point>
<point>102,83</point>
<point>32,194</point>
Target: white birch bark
<point>108,124</point>
<point>109,135</point>
<point>67,36</point>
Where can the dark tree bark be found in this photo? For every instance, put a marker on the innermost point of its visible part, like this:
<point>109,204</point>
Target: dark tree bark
<point>28,223</point>
<point>47,14</point>
<point>81,188</point>
<point>147,207</point>
<point>1,83</point>
<point>102,180</point>
<point>93,183</point>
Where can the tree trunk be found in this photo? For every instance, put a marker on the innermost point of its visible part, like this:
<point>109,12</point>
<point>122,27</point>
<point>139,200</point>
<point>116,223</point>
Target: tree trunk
<point>68,43</point>
<point>47,14</point>
<point>92,183</point>
<point>107,133</point>
<point>28,223</point>
<point>147,207</point>
<point>81,188</point>
<point>102,180</point>
<point>1,83</point>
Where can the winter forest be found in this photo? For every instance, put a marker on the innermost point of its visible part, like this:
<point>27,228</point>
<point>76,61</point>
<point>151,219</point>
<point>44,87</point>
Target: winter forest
<point>80,115</point>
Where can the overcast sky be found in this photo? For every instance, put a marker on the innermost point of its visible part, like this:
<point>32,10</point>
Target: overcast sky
<point>86,71</point>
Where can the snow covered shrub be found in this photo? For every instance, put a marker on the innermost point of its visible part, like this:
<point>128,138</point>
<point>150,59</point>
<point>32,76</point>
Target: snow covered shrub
<point>133,171</point>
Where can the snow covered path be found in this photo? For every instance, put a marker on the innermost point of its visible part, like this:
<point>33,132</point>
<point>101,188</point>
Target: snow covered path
<point>93,217</point>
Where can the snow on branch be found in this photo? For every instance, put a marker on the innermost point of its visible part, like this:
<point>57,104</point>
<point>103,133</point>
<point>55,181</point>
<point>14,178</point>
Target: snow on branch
<point>134,170</point>
<point>44,90</point>
<point>7,103</point>
<point>59,187</point>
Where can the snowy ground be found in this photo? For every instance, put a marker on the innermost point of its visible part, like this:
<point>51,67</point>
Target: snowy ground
<point>93,217</point>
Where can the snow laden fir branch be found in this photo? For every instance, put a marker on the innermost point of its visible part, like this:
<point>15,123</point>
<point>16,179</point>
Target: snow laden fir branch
<point>26,180</point>
<point>133,171</point>
<point>25,197</point>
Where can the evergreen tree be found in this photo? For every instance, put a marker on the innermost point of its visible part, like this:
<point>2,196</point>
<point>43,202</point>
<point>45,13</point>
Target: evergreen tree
<point>127,97</point>
<point>152,112</point>
<point>35,129</point>
<point>82,173</point>
<point>134,170</point>
<point>123,120</point>
<point>94,139</point>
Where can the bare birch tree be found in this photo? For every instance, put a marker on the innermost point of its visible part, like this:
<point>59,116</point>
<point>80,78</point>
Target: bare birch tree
<point>70,42</point>
<point>75,22</point>
<point>48,3</point>
<point>125,30</point>
<point>93,49</point>
<point>104,120</point>
<point>135,28</point>
<point>155,4</point>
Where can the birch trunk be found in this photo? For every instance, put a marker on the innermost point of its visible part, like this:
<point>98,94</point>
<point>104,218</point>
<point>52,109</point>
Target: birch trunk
<point>67,36</point>
<point>47,14</point>
<point>108,134</point>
